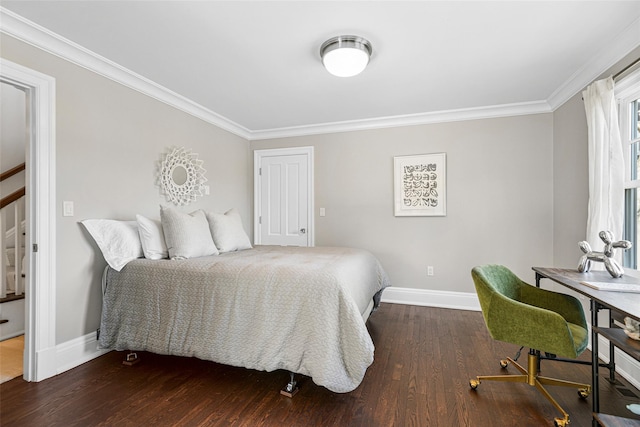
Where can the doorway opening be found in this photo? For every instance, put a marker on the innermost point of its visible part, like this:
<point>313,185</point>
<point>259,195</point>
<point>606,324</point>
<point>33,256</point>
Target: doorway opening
<point>13,141</point>
<point>39,355</point>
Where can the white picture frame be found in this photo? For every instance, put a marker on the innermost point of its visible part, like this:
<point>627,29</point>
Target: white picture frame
<point>420,185</point>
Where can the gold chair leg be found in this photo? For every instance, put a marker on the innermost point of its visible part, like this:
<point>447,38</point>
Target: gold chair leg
<point>563,383</point>
<point>518,366</point>
<point>560,422</point>
<point>532,378</point>
<point>504,378</point>
<point>523,378</point>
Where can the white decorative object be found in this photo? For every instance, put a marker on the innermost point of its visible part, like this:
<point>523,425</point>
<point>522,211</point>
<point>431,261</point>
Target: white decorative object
<point>632,328</point>
<point>181,176</point>
<point>420,185</point>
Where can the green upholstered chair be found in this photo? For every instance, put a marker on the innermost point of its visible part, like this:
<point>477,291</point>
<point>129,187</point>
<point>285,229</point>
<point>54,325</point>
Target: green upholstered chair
<point>542,320</point>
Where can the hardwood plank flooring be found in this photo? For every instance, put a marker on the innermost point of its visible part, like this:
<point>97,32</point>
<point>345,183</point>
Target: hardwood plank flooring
<point>11,360</point>
<point>424,359</point>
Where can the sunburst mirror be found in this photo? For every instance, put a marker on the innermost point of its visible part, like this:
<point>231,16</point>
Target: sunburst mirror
<point>181,176</point>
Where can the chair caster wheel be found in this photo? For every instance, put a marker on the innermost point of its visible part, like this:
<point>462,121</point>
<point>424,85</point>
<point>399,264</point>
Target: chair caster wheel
<point>561,422</point>
<point>474,384</point>
<point>504,364</point>
<point>584,393</point>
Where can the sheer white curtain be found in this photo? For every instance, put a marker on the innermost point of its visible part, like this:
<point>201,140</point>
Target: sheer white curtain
<point>606,163</point>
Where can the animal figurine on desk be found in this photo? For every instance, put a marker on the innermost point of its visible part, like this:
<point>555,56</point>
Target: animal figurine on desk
<point>606,256</point>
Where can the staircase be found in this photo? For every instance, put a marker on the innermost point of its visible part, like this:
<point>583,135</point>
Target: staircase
<point>12,252</point>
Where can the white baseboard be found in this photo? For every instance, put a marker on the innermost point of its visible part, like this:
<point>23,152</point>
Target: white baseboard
<point>76,352</point>
<point>13,311</point>
<point>12,335</point>
<point>431,298</point>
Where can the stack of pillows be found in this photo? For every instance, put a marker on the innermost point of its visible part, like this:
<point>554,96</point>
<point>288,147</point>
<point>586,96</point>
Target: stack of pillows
<point>177,235</point>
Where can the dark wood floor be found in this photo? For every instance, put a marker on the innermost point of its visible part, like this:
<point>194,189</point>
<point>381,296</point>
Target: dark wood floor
<point>424,359</point>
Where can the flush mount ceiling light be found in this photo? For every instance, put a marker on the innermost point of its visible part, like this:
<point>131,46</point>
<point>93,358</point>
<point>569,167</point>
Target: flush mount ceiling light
<point>345,56</point>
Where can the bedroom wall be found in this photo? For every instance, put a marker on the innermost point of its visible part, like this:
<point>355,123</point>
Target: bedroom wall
<point>499,197</point>
<point>571,181</point>
<point>108,140</point>
<point>570,169</point>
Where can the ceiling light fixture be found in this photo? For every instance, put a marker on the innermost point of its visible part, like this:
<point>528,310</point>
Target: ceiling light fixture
<point>345,56</point>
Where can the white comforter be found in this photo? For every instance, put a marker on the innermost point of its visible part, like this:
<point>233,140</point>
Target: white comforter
<point>268,308</point>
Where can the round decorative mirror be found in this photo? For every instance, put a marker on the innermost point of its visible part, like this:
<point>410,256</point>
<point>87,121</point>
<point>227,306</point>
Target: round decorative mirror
<point>181,176</point>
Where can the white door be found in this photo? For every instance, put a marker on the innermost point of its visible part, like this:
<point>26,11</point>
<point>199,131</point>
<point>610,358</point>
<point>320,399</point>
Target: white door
<point>283,196</point>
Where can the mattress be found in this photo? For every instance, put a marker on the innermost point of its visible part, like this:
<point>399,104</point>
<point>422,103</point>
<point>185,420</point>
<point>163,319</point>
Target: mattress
<point>294,308</point>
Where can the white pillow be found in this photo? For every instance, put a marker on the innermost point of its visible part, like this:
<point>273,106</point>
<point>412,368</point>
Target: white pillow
<point>187,235</point>
<point>118,240</point>
<point>152,238</point>
<point>227,231</point>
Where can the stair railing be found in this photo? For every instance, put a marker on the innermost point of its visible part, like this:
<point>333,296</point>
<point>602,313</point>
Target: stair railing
<point>12,201</point>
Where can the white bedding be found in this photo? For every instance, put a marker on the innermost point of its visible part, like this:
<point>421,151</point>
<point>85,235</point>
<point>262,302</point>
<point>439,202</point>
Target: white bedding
<point>267,308</point>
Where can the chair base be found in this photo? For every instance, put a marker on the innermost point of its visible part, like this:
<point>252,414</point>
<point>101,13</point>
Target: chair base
<point>532,378</point>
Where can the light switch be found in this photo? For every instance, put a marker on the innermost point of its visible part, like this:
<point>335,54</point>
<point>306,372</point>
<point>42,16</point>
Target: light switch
<point>322,212</point>
<point>207,190</point>
<point>67,208</point>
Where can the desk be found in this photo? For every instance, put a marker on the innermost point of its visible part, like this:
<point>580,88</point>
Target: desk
<point>628,304</point>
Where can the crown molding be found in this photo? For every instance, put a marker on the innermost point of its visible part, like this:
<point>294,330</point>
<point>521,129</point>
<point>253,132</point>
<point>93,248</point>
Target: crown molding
<point>624,43</point>
<point>31,33</point>
<point>490,112</point>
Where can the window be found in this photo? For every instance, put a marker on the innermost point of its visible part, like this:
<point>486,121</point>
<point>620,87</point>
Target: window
<point>628,95</point>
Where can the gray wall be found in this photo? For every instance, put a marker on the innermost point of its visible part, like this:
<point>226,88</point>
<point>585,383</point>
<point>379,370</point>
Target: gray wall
<point>499,197</point>
<point>109,139</point>
<point>571,182</point>
<point>570,174</point>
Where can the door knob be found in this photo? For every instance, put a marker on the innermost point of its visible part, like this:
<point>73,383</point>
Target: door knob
<point>303,230</point>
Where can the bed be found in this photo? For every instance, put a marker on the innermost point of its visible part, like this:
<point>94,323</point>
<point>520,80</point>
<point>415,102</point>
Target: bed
<point>298,309</point>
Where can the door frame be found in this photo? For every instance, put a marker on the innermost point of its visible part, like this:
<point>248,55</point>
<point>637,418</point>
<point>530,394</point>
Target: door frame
<point>258,155</point>
<point>40,213</point>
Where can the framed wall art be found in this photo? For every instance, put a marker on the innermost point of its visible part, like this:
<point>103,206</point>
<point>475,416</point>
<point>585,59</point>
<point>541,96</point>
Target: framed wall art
<point>420,186</point>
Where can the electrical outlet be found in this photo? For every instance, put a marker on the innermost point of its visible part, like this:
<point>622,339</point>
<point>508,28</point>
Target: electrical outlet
<point>430,270</point>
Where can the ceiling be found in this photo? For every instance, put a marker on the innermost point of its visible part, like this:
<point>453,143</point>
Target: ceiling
<point>256,64</point>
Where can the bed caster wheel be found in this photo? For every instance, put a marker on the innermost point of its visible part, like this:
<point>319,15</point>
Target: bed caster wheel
<point>504,364</point>
<point>474,384</point>
<point>561,422</point>
<point>584,393</point>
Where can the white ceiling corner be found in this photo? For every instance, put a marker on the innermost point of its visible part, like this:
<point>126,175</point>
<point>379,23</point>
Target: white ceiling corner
<point>40,37</point>
<point>235,64</point>
<point>623,44</point>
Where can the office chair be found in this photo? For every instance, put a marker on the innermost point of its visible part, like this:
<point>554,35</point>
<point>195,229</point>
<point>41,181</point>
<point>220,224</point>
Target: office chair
<point>518,313</point>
